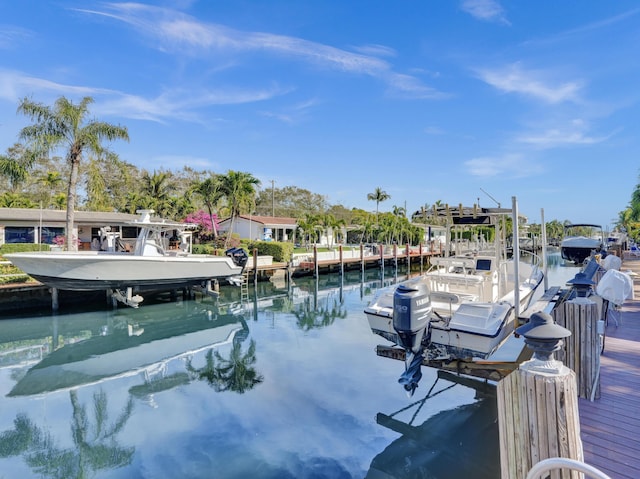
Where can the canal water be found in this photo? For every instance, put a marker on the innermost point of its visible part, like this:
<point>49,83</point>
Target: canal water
<point>284,385</point>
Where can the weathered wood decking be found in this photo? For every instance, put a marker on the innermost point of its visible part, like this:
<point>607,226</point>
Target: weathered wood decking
<point>610,426</point>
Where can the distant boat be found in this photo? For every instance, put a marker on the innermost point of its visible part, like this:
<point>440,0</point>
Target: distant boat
<point>151,264</point>
<point>580,241</point>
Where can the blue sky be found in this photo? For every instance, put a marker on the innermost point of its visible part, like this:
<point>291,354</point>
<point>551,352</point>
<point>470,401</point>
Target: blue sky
<point>428,100</point>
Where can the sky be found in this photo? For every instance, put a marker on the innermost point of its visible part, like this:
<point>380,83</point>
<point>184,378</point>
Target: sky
<point>469,101</point>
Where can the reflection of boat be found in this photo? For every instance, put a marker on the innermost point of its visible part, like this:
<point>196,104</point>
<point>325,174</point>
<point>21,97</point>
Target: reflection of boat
<point>580,241</point>
<point>464,307</point>
<point>151,264</point>
<point>135,343</point>
<point>452,444</point>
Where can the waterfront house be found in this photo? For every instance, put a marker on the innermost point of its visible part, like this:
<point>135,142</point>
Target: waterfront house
<point>34,225</point>
<point>261,228</point>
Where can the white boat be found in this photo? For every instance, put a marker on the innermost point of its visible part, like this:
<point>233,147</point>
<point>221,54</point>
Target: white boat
<point>150,266</point>
<point>465,306</point>
<point>580,241</point>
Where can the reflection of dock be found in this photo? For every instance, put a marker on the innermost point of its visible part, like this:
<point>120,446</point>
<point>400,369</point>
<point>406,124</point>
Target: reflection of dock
<point>460,442</point>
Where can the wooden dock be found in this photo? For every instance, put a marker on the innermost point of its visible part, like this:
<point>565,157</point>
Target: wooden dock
<point>610,426</point>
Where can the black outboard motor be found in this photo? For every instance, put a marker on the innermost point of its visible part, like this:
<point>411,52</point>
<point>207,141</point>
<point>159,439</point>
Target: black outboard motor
<point>411,314</point>
<point>238,255</point>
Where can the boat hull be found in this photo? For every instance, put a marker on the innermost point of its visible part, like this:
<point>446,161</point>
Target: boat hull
<point>93,270</point>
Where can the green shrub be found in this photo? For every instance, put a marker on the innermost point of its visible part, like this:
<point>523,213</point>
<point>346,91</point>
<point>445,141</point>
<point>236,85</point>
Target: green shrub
<point>280,251</point>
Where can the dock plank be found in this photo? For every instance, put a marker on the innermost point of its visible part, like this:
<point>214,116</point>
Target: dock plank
<point>610,426</point>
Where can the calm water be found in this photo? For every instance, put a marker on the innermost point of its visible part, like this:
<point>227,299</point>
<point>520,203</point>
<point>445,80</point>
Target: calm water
<point>286,386</point>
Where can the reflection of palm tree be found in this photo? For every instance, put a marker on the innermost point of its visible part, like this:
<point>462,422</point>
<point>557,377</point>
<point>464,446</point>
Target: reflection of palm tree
<point>232,374</point>
<point>95,447</point>
<point>310,317</point>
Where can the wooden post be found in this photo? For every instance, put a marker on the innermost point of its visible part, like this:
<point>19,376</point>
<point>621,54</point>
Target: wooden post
<point>382,261</point>
<point>421,258</point>
<point>362,258</point>
<point>408,251</point>
<point>395,256</point>
<point>315,260</point>
<point>341,260</point>
<point>538,419</point>
<point>255,266</point>
<point>582,349</point>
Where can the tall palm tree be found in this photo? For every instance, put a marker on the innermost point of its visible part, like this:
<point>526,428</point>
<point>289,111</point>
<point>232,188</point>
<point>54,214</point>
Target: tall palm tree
<point>211,192</point>
<point>378,196</point>
<point>65,125</point>
<point>239,189</point>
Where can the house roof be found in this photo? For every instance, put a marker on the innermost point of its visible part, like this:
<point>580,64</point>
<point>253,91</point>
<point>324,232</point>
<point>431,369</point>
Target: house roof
<point>35,214</point>
<point>267,220</point>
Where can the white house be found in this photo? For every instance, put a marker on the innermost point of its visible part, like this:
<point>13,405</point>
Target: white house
<point>262,228</point>
<point>32,225</point>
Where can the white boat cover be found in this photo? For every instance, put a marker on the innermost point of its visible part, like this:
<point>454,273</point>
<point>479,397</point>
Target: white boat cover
<point>615,287</point>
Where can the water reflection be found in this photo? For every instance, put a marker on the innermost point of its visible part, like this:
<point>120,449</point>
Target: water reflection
<point>285,385</point>
<point>95,446</point>
<point>235,373</point>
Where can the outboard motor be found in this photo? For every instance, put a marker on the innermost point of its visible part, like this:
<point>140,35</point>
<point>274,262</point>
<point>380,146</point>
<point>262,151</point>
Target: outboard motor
<point>411,315</point>
<point>238,255</point>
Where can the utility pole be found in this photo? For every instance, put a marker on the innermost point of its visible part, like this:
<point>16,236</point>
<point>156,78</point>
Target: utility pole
<point>273,198</point>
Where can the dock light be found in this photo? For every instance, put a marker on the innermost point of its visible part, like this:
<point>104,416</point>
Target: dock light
<point>544,337</point>
<point>581,284</point>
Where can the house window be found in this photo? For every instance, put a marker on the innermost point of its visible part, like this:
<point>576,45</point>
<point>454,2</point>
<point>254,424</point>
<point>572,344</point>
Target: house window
<point>48,234</point>
<point>129,232</point>
<point>19,234</point>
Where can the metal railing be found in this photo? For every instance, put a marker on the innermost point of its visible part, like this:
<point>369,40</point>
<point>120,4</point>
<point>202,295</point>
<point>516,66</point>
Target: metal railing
<point>553,463</point>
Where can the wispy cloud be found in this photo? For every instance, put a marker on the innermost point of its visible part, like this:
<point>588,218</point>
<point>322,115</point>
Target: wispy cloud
<point>508,165</point>
<point>534,83</point>
<point>575,133</point>
<point>10,36</point>
<point>485,10</point>
<point>15,85</point>
<point>174,31</point>
<point>293,114</point>
<point>170,104</point>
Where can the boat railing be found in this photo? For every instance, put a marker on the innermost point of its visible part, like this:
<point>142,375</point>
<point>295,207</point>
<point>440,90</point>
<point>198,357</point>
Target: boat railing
<point>553,463</point>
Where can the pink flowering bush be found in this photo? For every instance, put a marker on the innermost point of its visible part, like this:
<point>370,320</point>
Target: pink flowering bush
<point>203,220</point>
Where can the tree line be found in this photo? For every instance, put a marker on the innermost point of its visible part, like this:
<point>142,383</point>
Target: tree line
<point>62,161</point>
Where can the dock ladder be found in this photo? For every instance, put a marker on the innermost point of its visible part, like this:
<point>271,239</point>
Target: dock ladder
<point>244,287</point>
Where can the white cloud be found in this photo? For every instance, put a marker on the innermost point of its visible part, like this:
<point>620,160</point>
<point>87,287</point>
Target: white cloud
<point>175,31</point>
<point>514,79</point>
<point>486,10</point>
<point>575,133</point>
<point>509,165</point>
<point>171,104</point>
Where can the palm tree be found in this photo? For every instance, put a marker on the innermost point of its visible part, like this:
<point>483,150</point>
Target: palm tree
<point>378,196</point>
<point>65,125</point>
<point>309,227</point>
<point>15,165</point>
<point>158,187</point>
<point>50,182</point>
<point>239,189</point>
<point>211,192</point>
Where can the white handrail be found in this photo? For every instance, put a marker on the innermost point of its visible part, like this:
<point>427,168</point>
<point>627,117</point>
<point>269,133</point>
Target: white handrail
<point>547,465</point>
